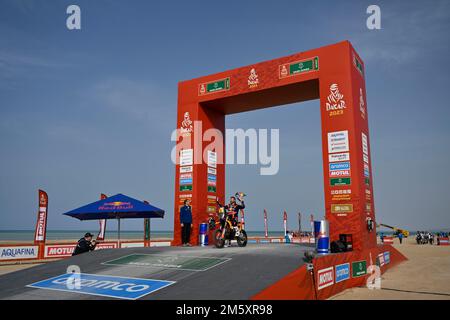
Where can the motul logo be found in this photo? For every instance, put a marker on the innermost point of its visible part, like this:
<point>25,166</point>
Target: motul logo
<point>59,251</point>
<point>325,278</point>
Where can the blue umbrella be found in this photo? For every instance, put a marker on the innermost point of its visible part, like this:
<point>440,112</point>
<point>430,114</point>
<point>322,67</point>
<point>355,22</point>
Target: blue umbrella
<point>116,207</point>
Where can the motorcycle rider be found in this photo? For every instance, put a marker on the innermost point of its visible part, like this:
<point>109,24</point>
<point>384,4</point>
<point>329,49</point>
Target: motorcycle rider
<point>233,209</point>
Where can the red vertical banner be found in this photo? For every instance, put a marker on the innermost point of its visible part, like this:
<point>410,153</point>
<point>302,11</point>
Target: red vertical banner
<point>266,230</point>
<point>41,225</point>
<point>285,222</point>
<point>102,222</point>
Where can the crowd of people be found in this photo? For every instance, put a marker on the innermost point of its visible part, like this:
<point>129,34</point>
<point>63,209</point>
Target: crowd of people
<point>426,237</point>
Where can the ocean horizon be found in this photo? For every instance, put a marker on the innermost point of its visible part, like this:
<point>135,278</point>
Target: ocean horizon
<point>28,235</point>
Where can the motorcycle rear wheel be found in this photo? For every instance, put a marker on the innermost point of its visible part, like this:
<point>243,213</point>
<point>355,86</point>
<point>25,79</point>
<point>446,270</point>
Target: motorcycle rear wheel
<point>218,241</point>
<point>242,239</point>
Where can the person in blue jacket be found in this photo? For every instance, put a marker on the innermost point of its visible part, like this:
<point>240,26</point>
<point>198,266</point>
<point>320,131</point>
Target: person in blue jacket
<point>186,222</point>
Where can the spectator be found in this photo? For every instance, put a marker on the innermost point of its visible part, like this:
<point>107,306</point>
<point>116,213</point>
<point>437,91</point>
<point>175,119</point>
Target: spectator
<point>186,222</point>
<point>85,244</point>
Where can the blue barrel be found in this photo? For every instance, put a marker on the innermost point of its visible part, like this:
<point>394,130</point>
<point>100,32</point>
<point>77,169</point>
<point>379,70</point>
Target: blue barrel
<point>322,237</point>
<point>203,234</point>
<point>323,245</point>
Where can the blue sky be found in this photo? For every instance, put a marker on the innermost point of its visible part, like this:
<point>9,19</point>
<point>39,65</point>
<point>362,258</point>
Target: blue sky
<point>91,111</point>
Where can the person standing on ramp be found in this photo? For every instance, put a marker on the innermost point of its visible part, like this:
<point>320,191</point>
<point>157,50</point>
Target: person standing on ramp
<point>186,222</point>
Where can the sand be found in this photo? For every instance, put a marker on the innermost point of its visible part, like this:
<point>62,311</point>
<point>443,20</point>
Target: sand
<point>426,275</point>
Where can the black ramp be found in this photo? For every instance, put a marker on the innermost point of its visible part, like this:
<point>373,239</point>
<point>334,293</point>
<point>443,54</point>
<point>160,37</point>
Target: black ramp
<point>199,273</point>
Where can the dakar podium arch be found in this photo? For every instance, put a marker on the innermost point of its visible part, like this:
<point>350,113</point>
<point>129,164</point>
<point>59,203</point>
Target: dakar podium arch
<point>335,75</point>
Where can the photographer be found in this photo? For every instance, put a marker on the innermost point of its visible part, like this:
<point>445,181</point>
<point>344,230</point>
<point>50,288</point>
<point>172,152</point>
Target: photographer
<point>85,244</point>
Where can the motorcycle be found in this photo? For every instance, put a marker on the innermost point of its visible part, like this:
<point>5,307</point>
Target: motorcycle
<point>226,230</point>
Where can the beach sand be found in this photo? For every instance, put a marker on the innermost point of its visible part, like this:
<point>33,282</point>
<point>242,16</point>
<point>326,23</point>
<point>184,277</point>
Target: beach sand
<point>426,275</point>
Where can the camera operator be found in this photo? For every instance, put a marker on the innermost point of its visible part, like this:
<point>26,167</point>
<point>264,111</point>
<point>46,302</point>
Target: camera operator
<point>85,244</point>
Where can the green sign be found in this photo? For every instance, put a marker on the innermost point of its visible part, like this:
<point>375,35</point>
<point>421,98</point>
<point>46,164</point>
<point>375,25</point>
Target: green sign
<point>186,187</point>
<point>190,263</point>
<point>340,181</point>
<point>304,66</point>
<point>211,189</point>
<point>358,65</point>
<point>359,268</point>
<point>223,84</point>
<point>367,181</point>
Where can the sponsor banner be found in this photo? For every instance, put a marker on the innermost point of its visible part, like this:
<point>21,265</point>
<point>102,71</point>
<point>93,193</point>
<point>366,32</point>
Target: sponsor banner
<point>186,157</point>
<point>212,159</point>
<point>102,285</point>
<point>211,209</point>
<point>106,245</point>
<point>366,168</point>
<point>359,268</point>
<point>367,181</point>
<point>41,224</point>
<point>186,176</point>
<point>211,189</point>
<point>18,252</point>
<point>59,250</point>
<point>183,197</point>
<point>185,181</point>
<point>387,257</point>
<point>214,86</point>
<point>339,208</point>
<point>186,187</point>
<point>325,278</point>
<point>368,207</point>
<point>185,169</point>
<point>275,240</point>
<point>212,171</point>
<point>365,147</point>
<point>366,158</point>
<point>211,177</point>
<point>131,244</point>
<point>340,166</point>
<point>298,67</point>
<point>380,260</point>
<point>340,173</point>
<point>341,194</point>
<point>340,182</point>
<point>338,141</point>
<point>342,272</point>
<point>336,157</point>
<point>212,183</point>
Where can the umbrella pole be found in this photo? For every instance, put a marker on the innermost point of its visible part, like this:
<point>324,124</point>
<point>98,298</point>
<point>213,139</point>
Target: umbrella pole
<point>118,232</point>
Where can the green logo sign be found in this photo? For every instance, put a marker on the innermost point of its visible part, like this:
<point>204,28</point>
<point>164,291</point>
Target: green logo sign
<point>304,66</point>
<point>359,268</point>
<point>187,187</point>
<point>223,84</point>
<point>211,189</point>
<point>358,65</point>
<point>367,181</point>
<point>340,181</point>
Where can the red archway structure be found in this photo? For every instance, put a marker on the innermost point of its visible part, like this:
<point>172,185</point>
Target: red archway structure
<point>335,75</point>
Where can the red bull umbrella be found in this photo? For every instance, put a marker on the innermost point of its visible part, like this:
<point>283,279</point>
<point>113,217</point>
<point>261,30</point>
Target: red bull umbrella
<point>116,207</point>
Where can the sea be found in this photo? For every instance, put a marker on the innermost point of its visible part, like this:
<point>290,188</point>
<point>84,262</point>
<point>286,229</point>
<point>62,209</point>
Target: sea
<point>28,235</point>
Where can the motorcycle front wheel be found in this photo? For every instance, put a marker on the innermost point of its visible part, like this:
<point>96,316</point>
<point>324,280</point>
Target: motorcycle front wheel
<point>218,241</point>
<point>242,239</point>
